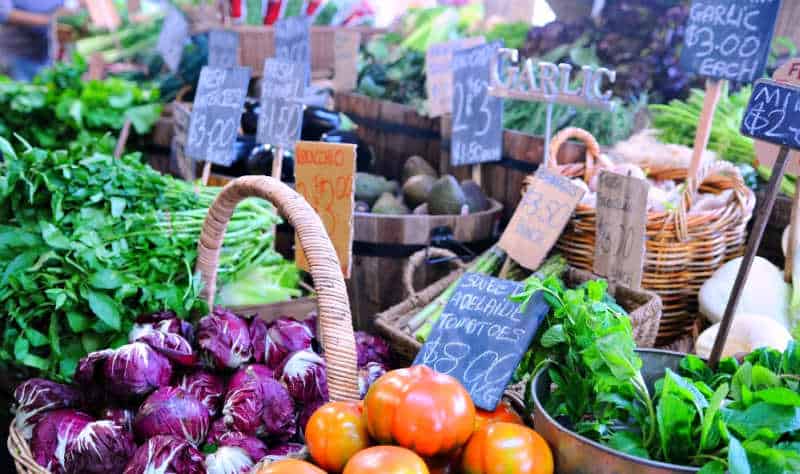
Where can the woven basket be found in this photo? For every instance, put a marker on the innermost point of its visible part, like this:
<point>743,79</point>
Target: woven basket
<point>643,307</point>
<point>682,250</point>
<point>336,330</point>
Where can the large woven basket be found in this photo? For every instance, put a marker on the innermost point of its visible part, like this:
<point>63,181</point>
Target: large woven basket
<point>336,330</point>
<point>682,250</point>
<point>643,307</point>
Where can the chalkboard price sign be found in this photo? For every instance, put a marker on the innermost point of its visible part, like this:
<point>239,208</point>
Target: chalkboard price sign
<point>482,335</point>
<point>216,114</point>
<point>223,48</point>
<point>293,41</point>
<point>729,39</point>
<point>477,116</point>
<point>172,38</point>
<point>773,114</point>
<point>281,117</point>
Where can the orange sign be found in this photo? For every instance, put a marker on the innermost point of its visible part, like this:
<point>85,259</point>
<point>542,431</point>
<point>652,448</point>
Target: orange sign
<point>766,153</point>
<point>103,14</point>
<point>324,175</point>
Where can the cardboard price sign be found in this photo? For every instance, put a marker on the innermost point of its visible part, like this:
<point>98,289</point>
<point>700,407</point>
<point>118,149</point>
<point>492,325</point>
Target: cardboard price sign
<point>216,114</point>
<point>324,175</point>
<point>482,335</point>
<point>729,39</point>
<point>171,39</point>
<point>477,116</point>
<point>439,73</point>
<point>773,114</point>
<point>293,41</point>
<point>223,48</point>
<point>345,75</point>
<point>280,119</point>
<point>621,228</point>
<point>540,217</point>
<point>104,14</point>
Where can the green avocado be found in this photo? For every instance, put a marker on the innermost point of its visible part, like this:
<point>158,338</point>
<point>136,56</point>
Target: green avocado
<point>446,197</point>
<point>389,204</point>
<point>369,187</point>
<point>417,189</point>
<point>416,165</point>
<point>476,198</point>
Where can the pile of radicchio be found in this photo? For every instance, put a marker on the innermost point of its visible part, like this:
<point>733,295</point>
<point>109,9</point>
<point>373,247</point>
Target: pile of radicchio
<point>172,400</point>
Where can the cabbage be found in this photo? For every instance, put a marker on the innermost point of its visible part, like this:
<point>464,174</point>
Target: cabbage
<point>172,411</point>
<point>254,447</point>
<point>371,349</point>
<point>121,416</point>
<point>206,387</point>
<point>53,433</point>
<point>165,454</point>
<point>172,346</point>
<point>281,338</point>
<point>278,416</point>
<point>229,460</point>
<point>257,404</point>
<point>368,375</point>
<point>225,339</point>
<point>303,373</point>
<point>35,397</point>
<point>135,370</point>
<point>100,447</point>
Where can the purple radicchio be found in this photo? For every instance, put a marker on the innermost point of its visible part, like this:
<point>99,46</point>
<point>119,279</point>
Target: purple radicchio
<point>136,369</point>
<point>286,450</point>
<point>35,397</point>
<point>371,349</point>
<point>100,447</point>
<point>206,387</point>
<point>51,436</point>
<point>368,375</point>
<point>121,416</point>
<point>225,339</point>
<point>164,321</point>
<point>303,374</point>
<point>254,447</point>
<point>89,369</point>
<point>257,404</point>
<point>172,411</point>
<point>165,454</point>
<point>273,342</point>
<point>229,460</point>
<point>172,346</point>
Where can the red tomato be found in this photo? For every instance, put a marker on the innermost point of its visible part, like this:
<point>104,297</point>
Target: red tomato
<point>386,460</point>
<point>334,433</point>
<point>506,448</point>
<point>289,466</point>
<point>503,412</point>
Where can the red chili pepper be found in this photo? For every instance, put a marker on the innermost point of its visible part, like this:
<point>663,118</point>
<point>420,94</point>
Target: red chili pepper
<point>273,12</point>
<point>236,8</point>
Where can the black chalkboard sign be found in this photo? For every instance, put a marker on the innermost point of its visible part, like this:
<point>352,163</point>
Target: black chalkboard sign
<point>773,114</point>
<point>293,40</point>
<point>729,39</point>
<point>281,116</point>
<point>477,116</point>
<point>223,48</point>
<point>216,113</point>
<point>482,335</point>
<point>172,38</point>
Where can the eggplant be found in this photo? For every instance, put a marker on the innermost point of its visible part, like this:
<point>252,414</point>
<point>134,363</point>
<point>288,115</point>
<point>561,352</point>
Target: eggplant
<point>318,121</point>
<point>260,163</point>
<point>364,156</point>
<point>250,116</point>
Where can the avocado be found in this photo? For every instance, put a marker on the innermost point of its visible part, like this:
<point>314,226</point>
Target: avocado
<point>446,197</point>
<point>388,204</point>
<point>417,189</point>
<point>476,198</point>
<point>369,187</point>
<point>417,165</point>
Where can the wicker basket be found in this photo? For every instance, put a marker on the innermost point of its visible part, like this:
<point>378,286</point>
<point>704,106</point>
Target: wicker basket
<point>336,330</point>
<point>682,250</point>
<point>644,307</point>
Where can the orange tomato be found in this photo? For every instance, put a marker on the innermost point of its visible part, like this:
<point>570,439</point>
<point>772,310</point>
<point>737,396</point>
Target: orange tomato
<point>503,412</point>
<point>289,466</point>
<point>506,448</point>
<point>334,433</point>
<point>386,460</point>
<point>420,409</point>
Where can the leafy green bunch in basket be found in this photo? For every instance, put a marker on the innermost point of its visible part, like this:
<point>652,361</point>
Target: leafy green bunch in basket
<point>89,242</point>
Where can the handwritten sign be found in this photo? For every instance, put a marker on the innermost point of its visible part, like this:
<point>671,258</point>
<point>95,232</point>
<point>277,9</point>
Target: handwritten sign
<point>223,48</point>
<point>345,50</point>
<point>324,174</point>
<point>773,114</point>
<point>216,113</point>
<point>766,152</point>
<point>280,119</point>
<point>104,14</point>
<point>293,41</point>
<point>482,335</point>
<point>510,10</point>
<point>477,116</point>
<point>439,73</point>
<point>171,39</point>
<point>729,39</point>
<point>621,228</point>
<point>540,217</point>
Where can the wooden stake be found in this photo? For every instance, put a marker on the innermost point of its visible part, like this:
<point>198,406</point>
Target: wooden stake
<point>794,235</point>
<point>123,138</point>
<point>762,217</point>
<point>206,173</point>
<point>277,163</point>
<point>713,91</point>
<point>476,173</point>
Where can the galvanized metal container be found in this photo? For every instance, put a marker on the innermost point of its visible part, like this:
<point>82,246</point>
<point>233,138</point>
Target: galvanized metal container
<point>575,454</point>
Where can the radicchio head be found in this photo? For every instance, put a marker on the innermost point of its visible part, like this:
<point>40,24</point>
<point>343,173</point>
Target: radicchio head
<point>371,349</point>
<point>273,342</point>
<point>172,411</point>
<point>254,447</point>
<point>101,447</point>
<point>368,375</point>
<point>165,454</point>
<point>206,387</point>
<point>121,416</point>
<point>257,404</point>
<point>229,460</point>
<point>303,373</point>
<point>35,397</point>
<point>225,339</point>
<point>51,436</point>
<point>172,346</point>
<point>135,370</point>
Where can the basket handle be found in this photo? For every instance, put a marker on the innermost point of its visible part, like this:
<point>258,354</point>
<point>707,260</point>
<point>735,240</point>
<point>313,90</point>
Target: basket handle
<point>593,156</point>
<point>416,260</point>
<point>335,320</point>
